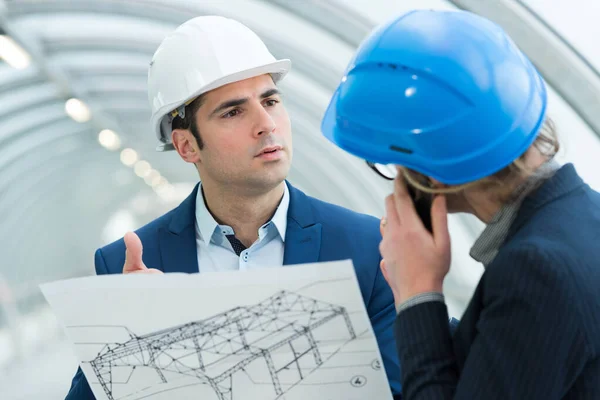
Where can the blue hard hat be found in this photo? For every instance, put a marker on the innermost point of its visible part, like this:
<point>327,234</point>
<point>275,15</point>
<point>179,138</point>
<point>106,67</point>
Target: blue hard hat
<point>445,93</point>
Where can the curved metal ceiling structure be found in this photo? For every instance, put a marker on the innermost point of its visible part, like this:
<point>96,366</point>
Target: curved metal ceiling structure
<point>59,183</point>
<point>59,186</point>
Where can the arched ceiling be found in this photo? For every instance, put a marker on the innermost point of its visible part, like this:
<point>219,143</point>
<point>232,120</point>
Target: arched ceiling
<point>59,186</point>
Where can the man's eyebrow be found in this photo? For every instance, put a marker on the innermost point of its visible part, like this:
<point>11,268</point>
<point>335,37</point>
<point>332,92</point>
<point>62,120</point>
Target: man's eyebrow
<point>238,102</point>
<point>228,104</point>
<point>269,93</point>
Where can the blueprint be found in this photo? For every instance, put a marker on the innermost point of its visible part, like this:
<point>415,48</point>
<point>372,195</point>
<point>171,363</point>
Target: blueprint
<point>292,333</point>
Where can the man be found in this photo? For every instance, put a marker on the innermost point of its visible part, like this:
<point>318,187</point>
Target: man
<point>212,88</point>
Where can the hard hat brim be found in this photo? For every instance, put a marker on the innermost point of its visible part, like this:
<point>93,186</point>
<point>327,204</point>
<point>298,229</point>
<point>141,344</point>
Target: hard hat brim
<point>473,167</point>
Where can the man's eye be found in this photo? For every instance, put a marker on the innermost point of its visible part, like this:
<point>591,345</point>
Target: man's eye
<point>271,102</point>
<point>231,113</point>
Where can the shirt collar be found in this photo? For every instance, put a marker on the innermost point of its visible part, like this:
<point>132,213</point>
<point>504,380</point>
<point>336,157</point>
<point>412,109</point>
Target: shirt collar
<point>488,244</point>
<point>280,217</point>
<point>206,224</point>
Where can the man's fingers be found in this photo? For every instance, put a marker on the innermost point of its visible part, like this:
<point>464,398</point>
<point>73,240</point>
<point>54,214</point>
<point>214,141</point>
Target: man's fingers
<point>146,271</point>
<point>439,223</point>
<point>133,253</point>
<point>133,256</point>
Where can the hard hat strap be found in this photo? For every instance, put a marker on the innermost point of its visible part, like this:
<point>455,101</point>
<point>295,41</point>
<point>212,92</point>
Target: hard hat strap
<point>181,109</point>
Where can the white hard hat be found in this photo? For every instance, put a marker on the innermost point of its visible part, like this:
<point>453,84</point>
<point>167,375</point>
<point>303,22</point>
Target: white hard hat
<point>203,54</point>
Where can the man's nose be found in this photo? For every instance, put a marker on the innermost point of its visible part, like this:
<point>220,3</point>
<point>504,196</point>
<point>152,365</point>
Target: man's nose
<point>265,123</point>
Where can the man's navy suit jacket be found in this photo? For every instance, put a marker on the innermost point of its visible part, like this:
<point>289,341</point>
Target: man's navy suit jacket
<point>316,232</point>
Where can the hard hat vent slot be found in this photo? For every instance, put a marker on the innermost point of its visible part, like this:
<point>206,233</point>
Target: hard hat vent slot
<point>392,66</point>
<point>401,149</point>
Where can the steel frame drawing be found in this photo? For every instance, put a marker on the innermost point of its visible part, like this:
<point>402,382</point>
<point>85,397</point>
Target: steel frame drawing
<point>214,349</point>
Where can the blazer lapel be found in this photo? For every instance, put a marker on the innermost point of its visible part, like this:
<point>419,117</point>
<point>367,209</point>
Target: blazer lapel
<point>564,181</point>
<point>303,233</point>
<point>178,240</point>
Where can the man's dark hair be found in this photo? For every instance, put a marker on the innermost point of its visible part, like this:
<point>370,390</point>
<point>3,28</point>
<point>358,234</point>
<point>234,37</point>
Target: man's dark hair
<point>189,122</point>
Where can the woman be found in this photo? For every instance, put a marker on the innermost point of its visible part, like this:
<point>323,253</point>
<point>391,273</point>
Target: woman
<point>450,100</point>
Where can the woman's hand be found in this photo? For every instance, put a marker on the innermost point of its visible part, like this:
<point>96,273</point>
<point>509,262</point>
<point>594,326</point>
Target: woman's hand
<point>414,260</point>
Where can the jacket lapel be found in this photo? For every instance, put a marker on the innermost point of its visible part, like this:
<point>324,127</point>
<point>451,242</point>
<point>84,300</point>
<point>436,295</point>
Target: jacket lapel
<point>178,240</point>
<point>303,233</point>
<point>564,181</point>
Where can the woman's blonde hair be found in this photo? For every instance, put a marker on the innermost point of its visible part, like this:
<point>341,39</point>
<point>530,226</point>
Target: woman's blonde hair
<point>503,181</point>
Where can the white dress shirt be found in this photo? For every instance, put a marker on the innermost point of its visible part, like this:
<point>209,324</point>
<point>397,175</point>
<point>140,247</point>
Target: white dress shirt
<point>215,252</point>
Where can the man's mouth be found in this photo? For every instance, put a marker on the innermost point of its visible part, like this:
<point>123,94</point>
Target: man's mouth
<point>270,153</point>
<point>270,150</point>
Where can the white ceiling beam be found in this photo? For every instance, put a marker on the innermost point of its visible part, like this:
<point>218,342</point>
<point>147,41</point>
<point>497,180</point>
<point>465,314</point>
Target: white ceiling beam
<point>30,43</point>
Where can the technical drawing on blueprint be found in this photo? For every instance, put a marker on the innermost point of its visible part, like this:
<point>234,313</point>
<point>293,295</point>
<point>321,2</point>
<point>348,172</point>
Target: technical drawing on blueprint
<point>301,334</point>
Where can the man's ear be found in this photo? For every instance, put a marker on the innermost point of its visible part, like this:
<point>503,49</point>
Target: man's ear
<point>185,144</point>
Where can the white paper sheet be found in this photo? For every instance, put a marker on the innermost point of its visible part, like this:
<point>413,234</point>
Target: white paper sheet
<point>293,333</point>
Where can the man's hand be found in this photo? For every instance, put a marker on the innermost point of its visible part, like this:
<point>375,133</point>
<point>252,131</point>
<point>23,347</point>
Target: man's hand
<point>133,256</point>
